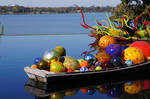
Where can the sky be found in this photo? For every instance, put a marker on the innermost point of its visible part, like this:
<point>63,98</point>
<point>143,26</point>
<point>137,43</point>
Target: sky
<point>59,3</point>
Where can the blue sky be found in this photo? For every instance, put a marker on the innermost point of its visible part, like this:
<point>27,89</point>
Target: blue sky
<point>59,3</point>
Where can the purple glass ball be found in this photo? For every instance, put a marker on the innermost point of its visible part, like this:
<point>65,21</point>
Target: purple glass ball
<point>113,50</point>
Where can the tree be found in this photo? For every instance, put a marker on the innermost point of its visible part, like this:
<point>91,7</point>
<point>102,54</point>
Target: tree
<point>131,8</point>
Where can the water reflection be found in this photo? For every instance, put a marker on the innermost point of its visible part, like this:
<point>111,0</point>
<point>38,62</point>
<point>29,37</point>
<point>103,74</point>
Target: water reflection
<point>139,89</point>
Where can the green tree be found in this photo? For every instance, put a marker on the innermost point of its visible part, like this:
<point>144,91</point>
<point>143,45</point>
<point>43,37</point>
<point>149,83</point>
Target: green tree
<point>131,8</point>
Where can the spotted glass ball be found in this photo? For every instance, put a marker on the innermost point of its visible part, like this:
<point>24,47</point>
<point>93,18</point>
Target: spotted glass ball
<point>89,57</point>
<point>105,41</point>
<point>84,63</point>
<point>103,56</point>
<point>113,50</point>
<point>117,61</point>
<point>134,88</point>
<point>134,54</point>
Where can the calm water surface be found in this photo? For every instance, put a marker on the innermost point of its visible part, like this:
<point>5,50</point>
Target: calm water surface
<point>48,23</point>
<point>16,52</point>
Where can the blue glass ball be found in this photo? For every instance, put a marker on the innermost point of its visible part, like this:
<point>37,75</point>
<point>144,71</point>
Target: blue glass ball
<point>115,92</point>
<point>128,62</point>
<point>83,69</point>
<point>124,47</point>
<point>117,61</point>
<point>128,83</point>
<point>91,92</point>
<point>37,60</point>
<point>98,64</point>
<point>113,50</point>
<point>89,57</point>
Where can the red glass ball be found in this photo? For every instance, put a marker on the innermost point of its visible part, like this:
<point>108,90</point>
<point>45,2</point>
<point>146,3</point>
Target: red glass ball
<point>106,64</point>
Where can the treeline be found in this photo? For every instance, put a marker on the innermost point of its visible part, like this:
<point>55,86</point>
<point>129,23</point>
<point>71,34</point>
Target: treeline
<point>47,10</point>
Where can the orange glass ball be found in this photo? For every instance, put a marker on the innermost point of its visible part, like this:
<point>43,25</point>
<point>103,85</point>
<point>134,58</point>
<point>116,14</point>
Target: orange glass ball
<point>84,63</point>
<point>34,66</point>
<point>84,90</point>
<point>103,56</point>
<point>105,41</point>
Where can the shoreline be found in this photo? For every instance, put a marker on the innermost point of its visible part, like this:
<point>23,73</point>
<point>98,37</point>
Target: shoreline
<point>49,13</point>
<point>44,34</point>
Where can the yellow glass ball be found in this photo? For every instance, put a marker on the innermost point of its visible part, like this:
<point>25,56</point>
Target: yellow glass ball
<point>134,54</point>
<point>57,96</point>
<point>57,67</point>
<point>134,88</point>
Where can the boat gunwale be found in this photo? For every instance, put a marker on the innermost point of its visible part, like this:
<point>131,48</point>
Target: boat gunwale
<point>97,71</point>
<point>100,71</point>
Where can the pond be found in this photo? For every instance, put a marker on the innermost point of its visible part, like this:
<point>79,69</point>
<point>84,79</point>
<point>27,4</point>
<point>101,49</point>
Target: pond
<point>18,51</point>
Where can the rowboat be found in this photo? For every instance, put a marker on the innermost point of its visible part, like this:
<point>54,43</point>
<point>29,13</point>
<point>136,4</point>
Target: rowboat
<point>108,74</point>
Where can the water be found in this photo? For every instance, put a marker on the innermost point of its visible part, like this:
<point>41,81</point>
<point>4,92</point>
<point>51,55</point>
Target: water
<point>48,23</point>
<point>16,52</point>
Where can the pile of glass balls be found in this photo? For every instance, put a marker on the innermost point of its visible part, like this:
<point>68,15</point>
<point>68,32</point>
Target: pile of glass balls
<point>111,54</point>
